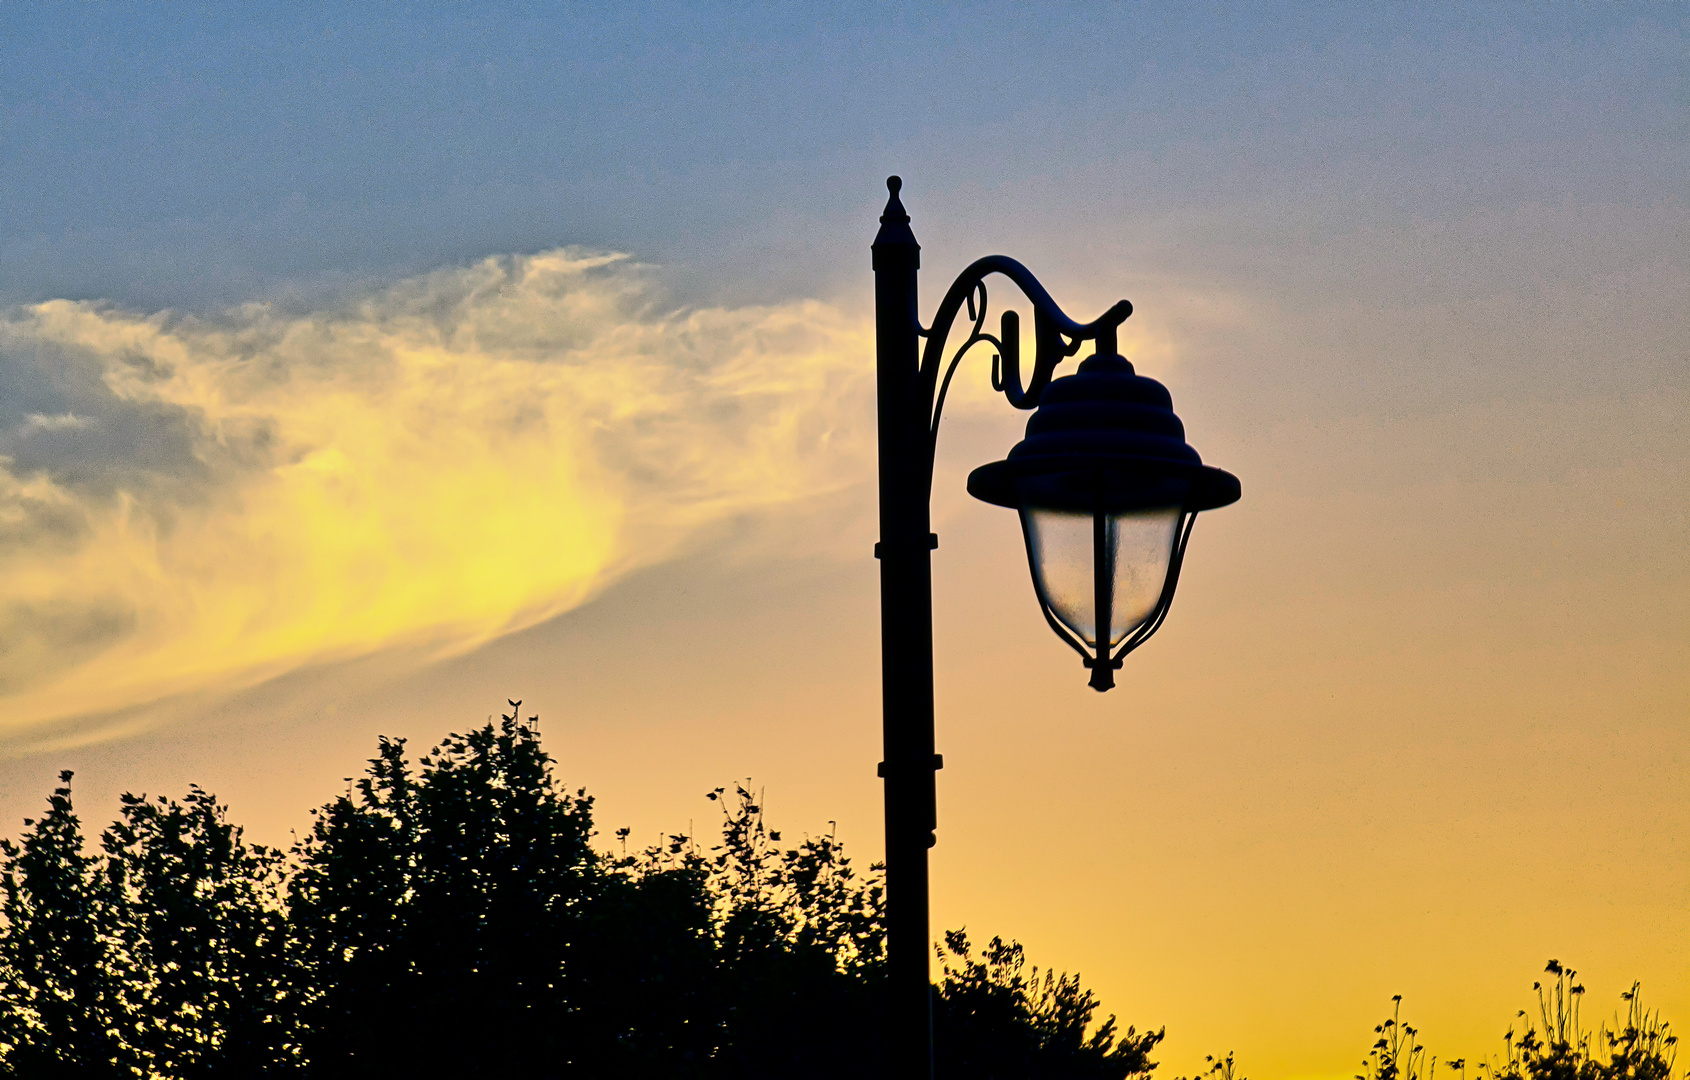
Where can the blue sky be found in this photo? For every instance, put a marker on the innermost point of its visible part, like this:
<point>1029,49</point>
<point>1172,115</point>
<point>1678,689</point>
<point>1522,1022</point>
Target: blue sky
<point>184,156</point>
<point>330,406</point>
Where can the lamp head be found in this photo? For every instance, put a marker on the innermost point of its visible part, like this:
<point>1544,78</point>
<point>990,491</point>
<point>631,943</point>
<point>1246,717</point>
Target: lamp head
<point>1107,488</point>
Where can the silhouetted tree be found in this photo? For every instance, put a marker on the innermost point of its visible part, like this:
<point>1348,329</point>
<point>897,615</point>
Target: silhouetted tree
<point>161,958</point>
<point>196,933</point>
<point>800,950</point>
<point>60,1008</point>
<point>452,917</point>
<point>433,913</point>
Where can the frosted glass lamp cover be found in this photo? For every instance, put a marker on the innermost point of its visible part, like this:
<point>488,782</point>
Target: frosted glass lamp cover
<point>1105,569</point>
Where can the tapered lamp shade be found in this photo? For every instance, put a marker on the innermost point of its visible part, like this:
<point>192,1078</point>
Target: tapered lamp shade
<point>1107,489</point>
<point>1128,555</point>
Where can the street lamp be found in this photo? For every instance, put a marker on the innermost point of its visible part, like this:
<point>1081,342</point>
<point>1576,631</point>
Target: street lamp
<point>1107,489</point>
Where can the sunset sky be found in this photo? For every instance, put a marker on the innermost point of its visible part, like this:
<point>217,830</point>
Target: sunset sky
<point>359,372</point>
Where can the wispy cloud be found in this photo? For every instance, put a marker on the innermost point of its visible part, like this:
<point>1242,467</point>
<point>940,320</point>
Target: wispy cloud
<point>205,502</point>
<point>38,422</point>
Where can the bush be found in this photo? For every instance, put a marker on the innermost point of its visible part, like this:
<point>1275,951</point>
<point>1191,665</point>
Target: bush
<point>1639,1047</point>
<point>990,1020</point>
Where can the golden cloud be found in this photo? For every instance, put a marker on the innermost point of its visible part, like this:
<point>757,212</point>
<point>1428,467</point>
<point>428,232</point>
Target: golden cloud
<point>192,503</point>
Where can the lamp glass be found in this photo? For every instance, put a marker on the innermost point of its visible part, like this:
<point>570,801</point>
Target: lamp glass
<point>1068,551</point>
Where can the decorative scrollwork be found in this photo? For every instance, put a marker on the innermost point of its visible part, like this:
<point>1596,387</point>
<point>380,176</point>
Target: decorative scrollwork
<point>1055,336</point>
<point>1011,327</point>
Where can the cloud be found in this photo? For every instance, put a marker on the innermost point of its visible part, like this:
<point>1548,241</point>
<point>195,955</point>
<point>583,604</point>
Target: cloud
<point>204,502</point>
<point>38,422</point>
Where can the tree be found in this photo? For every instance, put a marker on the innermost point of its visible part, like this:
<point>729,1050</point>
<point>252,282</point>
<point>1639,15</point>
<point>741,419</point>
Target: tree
<point>434,914</point>
<point>197,951</point>
<point>60,1006</point>
<point>800,945</point>
<point>453,917</point>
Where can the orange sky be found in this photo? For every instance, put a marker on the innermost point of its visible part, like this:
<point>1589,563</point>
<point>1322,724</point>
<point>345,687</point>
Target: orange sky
<point>1418,719</point>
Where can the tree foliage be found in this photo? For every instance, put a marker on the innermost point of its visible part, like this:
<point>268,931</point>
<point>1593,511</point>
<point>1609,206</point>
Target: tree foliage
<point>452,916</point>
<point>195,934</point>
<point>995,1019</point>
<point>60,1001</point>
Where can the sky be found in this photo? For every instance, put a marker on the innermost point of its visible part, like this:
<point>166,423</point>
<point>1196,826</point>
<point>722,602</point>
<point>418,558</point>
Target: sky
<point>361,369</point>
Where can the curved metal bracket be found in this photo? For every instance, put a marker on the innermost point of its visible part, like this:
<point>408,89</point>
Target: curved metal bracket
<point>1055,336</point>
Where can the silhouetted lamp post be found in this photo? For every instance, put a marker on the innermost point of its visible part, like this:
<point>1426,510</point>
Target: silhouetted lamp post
<point>1107,489</point>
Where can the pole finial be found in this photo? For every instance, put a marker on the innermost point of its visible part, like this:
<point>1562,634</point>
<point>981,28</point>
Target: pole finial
<point>895,231</point>
<point>895,211</point>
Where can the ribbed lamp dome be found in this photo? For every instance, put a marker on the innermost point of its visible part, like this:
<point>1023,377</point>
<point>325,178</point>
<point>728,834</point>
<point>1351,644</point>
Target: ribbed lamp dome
<point>1104,418</point>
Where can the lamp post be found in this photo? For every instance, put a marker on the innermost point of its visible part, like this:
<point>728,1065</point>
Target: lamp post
<point>1107,490</point>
